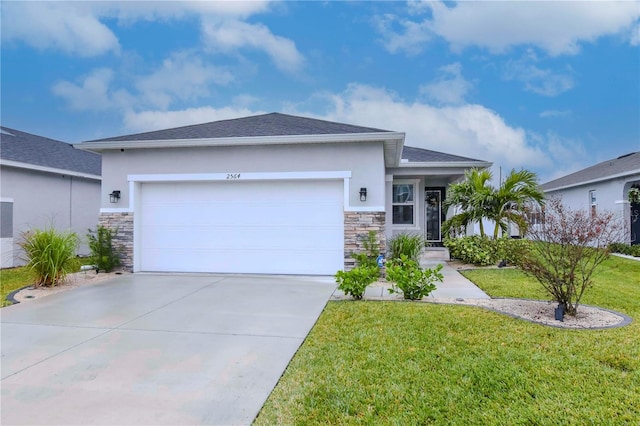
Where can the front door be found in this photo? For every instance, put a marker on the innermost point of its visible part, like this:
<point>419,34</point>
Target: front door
<point>433,214</point>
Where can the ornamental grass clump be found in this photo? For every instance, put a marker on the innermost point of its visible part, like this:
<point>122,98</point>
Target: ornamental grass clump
<point>50,254</point>
<point>410,280</point>
<point>410,245</point>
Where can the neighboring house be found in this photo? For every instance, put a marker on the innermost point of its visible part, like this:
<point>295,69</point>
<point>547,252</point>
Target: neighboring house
<point>272,193</point>
<point>44,182</point>
<point>604,186</point>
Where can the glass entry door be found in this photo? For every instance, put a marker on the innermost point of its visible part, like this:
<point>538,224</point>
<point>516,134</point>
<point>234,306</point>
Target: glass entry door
<point>433,214</point>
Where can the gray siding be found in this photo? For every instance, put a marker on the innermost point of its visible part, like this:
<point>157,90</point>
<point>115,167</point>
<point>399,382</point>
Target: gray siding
<point>46,199</point>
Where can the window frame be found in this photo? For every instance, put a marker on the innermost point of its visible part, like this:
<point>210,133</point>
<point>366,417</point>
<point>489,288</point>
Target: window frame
<point>593,202</point>
<point>415,225</point>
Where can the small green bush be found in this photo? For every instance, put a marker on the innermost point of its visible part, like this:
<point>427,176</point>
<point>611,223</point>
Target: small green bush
<point>410,280</point>
<point>103,254</point>
<point>50,254</point>
<point>408,244</point>
<point>484,251</point>
<point>371,247</point>
<point>625,249</point>
<point>355,282</point>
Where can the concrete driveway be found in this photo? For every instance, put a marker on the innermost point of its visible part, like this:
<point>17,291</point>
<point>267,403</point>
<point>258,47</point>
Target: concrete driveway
<point>155,349</point>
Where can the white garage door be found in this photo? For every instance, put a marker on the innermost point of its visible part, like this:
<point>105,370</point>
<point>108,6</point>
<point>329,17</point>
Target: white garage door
<point>275,227</point>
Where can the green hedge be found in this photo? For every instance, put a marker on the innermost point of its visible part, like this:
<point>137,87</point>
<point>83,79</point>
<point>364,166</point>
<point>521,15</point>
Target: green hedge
<point>484,251</point>
<point>625,249</point>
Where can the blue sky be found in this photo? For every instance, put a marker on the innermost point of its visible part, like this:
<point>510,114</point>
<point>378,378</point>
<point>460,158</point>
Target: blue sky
<point>548,86</point>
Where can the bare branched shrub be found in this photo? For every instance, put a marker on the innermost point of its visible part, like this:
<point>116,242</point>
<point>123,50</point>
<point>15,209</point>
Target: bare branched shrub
<point>568,247</point>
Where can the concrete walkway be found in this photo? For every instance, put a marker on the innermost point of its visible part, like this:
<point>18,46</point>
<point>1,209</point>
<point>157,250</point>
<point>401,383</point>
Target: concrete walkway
<point>454,286</point>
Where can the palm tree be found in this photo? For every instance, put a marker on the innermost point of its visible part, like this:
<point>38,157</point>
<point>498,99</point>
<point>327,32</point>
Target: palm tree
<point>509,203</point>
<point>478,200</point>
<point>472,196</point>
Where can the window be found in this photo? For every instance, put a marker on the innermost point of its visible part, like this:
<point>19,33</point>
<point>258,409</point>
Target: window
<point>403,204</point>
<point>592,201</point>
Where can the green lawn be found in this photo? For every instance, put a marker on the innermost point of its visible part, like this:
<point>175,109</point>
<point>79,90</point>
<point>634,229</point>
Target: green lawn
<point>417,363</point>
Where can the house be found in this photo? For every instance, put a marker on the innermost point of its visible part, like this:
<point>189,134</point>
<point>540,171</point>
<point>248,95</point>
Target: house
<point>44,182</point>
<point>604,186</point>
<point>272,193</point>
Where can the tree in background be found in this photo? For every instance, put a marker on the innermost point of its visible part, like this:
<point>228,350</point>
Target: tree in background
<point>568,245</point>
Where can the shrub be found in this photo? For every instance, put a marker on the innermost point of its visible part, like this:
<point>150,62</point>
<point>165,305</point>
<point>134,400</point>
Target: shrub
<point>103,254</point>
<point>410,279</point>
<point>484,251</point>
<point>408,244</point>
<point>355,282</point>
<point>625,249</point>
<point>569,246</point>
<point>371,247</point>
<point>50,254</point>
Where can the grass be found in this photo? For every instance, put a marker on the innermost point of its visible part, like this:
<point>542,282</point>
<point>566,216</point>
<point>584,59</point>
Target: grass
<point>416,363</point>
<point>12,279</point>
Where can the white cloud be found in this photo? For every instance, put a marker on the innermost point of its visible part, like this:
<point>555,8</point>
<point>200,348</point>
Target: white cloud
<point>557,27</point>
<point>450,87</point>
<point>93,93</point>
<point>229,35</point>
<point>68,27</point>
<point>76,28</point>
<point>552,113</point>
<point>182,76</point>
<point>155,120</point>
<point>634,38</point>
<point>402,34</point>
<point>544,82</point>
<point>467,130</point>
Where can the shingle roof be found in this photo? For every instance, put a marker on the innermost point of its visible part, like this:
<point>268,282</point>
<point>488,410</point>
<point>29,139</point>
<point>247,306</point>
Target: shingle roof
<point>273,124</point>
<point>629,163</point>
<point>420,155</point>
<point>41,151</point>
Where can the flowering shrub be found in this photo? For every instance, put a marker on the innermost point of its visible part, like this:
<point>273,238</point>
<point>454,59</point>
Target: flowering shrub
<point>569,245</point>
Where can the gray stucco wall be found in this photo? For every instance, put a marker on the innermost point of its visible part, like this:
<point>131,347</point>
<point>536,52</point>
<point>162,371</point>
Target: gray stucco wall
<point>43,199</point>
<point>364,160</point>
<point>611,195</point>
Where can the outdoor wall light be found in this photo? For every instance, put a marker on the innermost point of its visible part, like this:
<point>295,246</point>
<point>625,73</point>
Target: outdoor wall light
<point>114,196</point>
<point>363,194</point>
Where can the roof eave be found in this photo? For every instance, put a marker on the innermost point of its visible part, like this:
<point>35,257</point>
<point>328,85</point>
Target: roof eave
<point>98,146</point>
<point>393,142</point>
<point>597,180</point>
<point>54,170</point>
<point>452,164</point>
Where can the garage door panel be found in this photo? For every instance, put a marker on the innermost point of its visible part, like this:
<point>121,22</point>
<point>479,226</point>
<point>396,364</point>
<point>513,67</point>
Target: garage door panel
<point>241,213</point>
<point>242,227</point>
<point>244,261</point>
<point>221,238</point>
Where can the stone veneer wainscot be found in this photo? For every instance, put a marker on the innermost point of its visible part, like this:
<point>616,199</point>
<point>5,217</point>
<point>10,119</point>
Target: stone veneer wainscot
<point>123,224</point>
<point>356,230</point>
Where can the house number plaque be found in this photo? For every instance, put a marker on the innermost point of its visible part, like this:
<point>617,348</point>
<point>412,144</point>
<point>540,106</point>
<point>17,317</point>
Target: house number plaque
<point>233,176</point>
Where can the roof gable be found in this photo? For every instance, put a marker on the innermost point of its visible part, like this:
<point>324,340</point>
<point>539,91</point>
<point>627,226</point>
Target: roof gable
<point>273,124</point>
<point>624,165</point>
<point>44,152</point>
